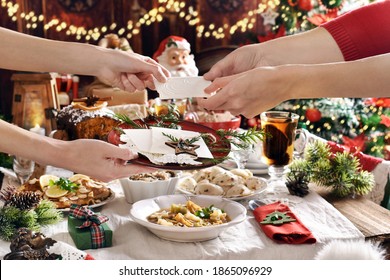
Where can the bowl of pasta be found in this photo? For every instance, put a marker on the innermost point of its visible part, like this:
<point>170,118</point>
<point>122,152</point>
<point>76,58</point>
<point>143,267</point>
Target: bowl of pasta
<point>186,218</point>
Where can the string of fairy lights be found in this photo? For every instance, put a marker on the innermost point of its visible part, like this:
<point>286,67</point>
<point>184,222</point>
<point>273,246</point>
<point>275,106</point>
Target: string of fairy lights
<point>31,20</point>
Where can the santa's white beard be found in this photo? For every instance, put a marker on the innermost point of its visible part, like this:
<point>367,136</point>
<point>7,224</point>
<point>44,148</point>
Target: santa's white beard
<point>182,70</point>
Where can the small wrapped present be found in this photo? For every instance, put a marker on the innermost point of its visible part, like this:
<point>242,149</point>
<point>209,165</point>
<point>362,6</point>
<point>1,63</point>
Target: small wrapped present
<point>88,229</point>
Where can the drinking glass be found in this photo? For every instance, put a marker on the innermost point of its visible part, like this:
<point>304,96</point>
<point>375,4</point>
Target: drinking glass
<point>23,168</point>
<point>278,145</point>
<point>241,153</point>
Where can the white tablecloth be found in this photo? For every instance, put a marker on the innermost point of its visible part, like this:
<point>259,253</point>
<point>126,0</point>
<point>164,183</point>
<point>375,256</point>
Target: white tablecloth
<point>243,241</point>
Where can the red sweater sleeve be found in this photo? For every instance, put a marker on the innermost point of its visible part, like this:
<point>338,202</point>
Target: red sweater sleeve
<point>362,32</point>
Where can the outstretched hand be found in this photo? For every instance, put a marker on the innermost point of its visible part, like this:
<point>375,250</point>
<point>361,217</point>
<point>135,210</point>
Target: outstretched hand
<point>133,72</point>
<point>248,93</point>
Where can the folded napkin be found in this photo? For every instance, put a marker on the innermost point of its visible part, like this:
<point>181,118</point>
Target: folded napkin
<point>292,232</point>
<point>152,143</point>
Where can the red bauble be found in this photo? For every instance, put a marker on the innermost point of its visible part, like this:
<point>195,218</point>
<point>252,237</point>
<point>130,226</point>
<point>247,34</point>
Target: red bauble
<point>313,115</point>
<point>305,5</point>
<point>253,122</point>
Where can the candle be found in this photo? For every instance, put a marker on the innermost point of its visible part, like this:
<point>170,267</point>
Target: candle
<point>38,130</point>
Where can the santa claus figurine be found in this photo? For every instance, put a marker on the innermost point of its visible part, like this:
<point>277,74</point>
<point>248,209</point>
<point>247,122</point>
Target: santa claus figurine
<point>174,53</point>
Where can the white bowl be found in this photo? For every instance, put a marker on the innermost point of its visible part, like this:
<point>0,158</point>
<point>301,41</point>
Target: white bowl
<point>135,190</point>
<point>142,209</point>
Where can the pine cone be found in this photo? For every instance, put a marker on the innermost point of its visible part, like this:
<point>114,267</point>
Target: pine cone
<point>24,200</point>
<point>297,184</point>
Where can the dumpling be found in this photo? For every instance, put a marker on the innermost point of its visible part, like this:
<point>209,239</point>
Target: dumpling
<point>215,171</point>
<point>255,183</point>
<point>208,189</point>
<point>188,183</point>
<point>202,175</point>
<point>226,179</point>
<point>238,190</point>
<point>244,173</point>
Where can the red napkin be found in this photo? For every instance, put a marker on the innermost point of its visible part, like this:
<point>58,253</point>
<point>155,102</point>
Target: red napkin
<point>291,233</point>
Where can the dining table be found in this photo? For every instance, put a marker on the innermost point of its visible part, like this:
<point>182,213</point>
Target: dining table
<point>242,241</point>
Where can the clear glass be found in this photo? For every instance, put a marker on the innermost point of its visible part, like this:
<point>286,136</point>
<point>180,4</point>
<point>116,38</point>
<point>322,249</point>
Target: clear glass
<point>278,145</point>
<point>23,168</point>
<point>241,153</point>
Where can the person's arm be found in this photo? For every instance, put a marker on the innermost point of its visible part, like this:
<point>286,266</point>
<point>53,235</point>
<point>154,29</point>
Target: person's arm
<point>97,159</point>
<point>121,69</point>
<point>357,34</point>
<point>362,32</point>
<point>261,89</point>
<point>314,46</point>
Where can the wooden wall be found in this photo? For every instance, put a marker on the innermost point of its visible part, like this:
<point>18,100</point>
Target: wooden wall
<point>104,13</point>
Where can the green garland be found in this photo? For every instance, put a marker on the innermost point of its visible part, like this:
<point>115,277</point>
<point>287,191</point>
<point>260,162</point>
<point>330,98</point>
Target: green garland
<point>12,218</point>
<point>339,171</point>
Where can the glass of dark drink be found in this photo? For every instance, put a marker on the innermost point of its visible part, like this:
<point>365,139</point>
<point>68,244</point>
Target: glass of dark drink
<point>278,145</point>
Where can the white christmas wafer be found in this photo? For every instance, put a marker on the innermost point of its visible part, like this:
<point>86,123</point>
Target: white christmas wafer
<point>182,87</point>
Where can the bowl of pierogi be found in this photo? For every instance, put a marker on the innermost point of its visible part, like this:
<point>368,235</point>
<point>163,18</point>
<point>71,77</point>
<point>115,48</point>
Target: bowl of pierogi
<point>235,184</point>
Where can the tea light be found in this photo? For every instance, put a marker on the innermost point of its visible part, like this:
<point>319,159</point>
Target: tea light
<point>38,130</point>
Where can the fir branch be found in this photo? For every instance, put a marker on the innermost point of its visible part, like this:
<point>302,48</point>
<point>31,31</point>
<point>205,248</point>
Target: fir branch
<point>47,213</point>
<point>12,218</point>
<point>339,171</point>
<point>241,139</point>
<point>188,141</point>
<point>124,118</point>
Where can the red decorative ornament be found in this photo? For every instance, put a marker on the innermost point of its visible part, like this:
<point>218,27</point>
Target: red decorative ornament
<point>385,120</point>
<point>358,143</point>
<point>270,35</point>
<point>318,19</point>
<point>293,3</point>
<point>378,102</point>
<point>305,5</point>
<point>313,115</point>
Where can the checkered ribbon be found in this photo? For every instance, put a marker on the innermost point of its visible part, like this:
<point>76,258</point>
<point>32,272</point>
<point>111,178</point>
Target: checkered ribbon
<point>93,221</point>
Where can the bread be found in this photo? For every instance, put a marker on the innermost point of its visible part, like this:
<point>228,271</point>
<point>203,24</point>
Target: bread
<point>84,124</point>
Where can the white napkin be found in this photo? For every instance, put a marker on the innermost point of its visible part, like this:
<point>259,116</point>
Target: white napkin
<point>182,87</point>
<point>151,143</point>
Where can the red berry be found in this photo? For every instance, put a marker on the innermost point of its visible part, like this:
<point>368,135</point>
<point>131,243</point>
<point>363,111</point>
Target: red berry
<point>313,115</point>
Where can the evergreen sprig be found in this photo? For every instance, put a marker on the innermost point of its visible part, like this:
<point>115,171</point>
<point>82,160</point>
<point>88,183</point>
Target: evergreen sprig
<point>12,218</point>
<point>340,171</point>
<point>126,119</point>
<point>241,139</point>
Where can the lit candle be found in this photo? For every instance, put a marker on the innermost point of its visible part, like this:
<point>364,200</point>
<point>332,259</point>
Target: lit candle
<point>38,130</point>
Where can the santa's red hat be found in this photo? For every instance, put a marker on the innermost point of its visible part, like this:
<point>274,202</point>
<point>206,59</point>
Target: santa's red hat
<point>171,42</point>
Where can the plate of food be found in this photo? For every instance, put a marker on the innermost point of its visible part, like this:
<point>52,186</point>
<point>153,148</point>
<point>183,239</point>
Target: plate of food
<point>218,148</point>
<point>234,184</point>
<point>78,189</point>
<point>185,218</point>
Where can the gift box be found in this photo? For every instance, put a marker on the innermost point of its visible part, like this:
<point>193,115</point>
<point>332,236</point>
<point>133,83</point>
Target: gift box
<point>89,230</point>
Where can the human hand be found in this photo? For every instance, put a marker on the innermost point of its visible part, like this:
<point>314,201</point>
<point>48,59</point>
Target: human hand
<point>248,93</point>
<point>240,60</point>
<point>100,160</point>
<point>131,71</point>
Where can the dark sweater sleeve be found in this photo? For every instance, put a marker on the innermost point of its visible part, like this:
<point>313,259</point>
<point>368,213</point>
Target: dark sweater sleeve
<point>362,32</point>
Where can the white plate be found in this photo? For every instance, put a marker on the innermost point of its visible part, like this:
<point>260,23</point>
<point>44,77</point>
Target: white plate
<point>235,198</point>
<point>256,169</point>
<point>143,208</point>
